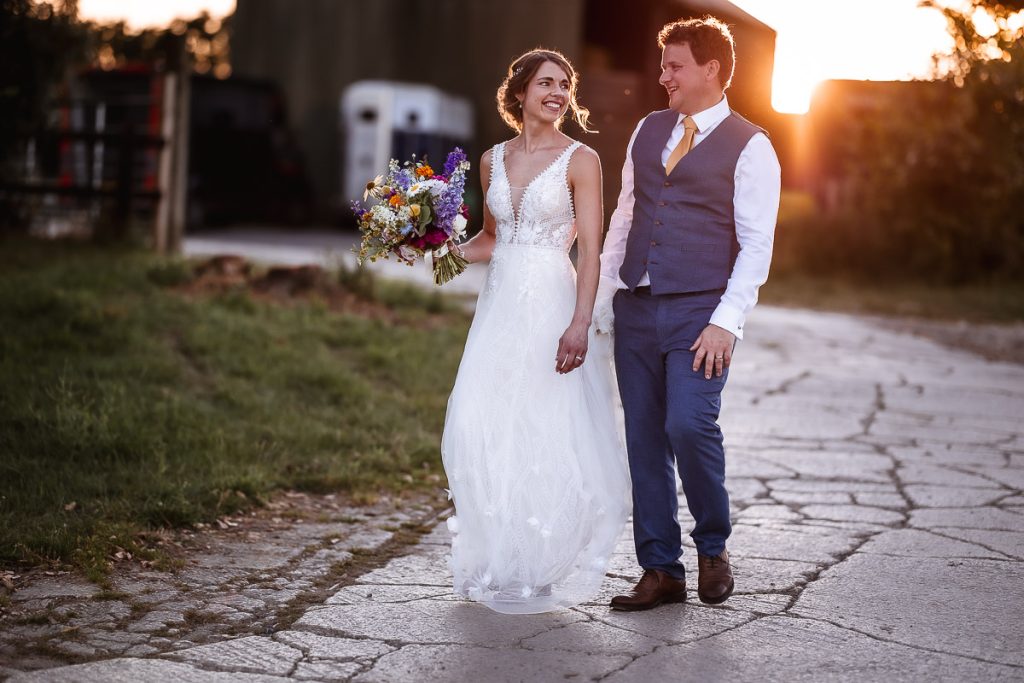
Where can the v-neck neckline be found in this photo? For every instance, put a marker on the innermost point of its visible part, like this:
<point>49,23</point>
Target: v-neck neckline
<point>517,215</point>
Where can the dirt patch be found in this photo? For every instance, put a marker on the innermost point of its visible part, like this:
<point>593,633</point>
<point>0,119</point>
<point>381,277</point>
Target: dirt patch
<point>282,285</point>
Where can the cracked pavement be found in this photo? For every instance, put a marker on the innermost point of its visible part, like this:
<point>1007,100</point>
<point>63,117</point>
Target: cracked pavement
<point>876,482</point>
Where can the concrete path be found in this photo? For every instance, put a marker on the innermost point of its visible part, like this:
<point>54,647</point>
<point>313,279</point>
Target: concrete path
<point>876,482</point>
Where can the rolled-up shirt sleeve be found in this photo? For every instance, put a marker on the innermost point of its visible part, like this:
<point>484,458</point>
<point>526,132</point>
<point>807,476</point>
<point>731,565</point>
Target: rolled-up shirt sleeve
<point>614,251</point>
<point>756,209</point>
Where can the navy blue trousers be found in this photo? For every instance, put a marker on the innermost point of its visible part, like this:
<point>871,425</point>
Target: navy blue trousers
<point>671,421</point>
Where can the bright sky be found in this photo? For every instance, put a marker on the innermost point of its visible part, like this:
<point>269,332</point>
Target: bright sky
<point>817,39</point>
<point>878,40</point>
<point>145,13</point>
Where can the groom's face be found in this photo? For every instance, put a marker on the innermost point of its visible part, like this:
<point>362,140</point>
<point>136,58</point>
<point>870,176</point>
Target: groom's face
<point>684,80</point>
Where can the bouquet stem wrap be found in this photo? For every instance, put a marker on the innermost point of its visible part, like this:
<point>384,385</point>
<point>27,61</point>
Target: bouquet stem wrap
<point>447,264</point>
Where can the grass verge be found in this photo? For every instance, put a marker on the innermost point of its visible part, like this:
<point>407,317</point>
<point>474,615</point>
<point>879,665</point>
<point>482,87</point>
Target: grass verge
<point>127,405</point>
<point>1002,303</point>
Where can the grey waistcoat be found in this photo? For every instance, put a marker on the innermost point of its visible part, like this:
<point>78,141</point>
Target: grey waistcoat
<point>684,232</point>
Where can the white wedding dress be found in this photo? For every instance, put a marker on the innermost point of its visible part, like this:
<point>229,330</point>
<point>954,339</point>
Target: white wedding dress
<point>534,460</point>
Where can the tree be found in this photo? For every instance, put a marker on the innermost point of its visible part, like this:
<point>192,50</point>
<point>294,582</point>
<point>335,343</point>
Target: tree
<point>987,63</point>
<point>206,41</point>
<point>931,173</point>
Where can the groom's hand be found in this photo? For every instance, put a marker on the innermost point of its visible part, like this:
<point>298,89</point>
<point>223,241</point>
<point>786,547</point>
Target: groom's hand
<point>714,350</point>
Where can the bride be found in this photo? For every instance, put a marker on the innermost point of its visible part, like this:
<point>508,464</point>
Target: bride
<point>531,449</point>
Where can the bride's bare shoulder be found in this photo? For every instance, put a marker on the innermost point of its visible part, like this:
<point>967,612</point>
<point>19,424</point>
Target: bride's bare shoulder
<point>584,158</point>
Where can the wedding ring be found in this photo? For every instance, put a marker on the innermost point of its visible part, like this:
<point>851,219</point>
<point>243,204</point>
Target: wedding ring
<point>719,357</point>
<point>579,357</point>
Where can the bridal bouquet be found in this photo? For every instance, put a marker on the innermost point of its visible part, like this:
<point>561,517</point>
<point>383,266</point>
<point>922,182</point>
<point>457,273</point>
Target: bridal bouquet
<point>417,211</point>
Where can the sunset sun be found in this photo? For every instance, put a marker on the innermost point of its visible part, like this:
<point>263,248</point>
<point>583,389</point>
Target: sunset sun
<point>836,39</point>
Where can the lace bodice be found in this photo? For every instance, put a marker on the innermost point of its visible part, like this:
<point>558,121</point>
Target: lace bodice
<point>544,216</point>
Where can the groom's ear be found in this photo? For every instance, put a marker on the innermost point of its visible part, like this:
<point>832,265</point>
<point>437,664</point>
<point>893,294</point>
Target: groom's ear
<point>712,68</point>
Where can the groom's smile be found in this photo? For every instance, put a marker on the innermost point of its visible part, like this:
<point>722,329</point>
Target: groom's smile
<point>691,87</point>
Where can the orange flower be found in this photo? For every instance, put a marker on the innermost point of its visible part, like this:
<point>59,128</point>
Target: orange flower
<point>395,200</point>
<point>424,171</point>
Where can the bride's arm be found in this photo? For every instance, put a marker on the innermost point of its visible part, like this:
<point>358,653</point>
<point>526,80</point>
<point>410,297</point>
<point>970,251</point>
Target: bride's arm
<point>585,180</point>
<point>480,247</point>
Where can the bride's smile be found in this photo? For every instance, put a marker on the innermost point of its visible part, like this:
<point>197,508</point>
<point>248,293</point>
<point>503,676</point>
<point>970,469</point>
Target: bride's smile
<point>547,96</point>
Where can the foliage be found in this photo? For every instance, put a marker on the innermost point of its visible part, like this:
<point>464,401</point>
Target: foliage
<point>932,175</point>
<point>206,41</point>
<point>147,407</point>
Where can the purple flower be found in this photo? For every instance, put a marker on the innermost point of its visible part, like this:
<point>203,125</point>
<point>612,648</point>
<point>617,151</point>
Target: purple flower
<point>403,179</point>
<point>449,203</point>
<point>455,157</point>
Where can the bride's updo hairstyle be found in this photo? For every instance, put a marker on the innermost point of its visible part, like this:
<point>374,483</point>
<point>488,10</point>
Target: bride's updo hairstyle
<point>520,72</point>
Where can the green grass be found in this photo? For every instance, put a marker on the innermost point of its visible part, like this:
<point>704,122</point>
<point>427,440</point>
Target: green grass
<point>995,303</point>
<point>148,408</point>
<point>842,289</point>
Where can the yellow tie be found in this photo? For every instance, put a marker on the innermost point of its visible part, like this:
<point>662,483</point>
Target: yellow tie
<point>684,145</point>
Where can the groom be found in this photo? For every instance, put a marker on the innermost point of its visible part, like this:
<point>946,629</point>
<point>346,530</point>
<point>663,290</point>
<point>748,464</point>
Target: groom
<point>687,248</point>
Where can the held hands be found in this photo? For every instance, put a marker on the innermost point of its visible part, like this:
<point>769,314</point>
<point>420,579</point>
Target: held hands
<point>604,317</point>
<point>714,350</point>
<point>572,348</point>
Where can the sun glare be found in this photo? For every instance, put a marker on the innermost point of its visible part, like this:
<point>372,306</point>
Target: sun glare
<point>140,14</point>
<point>846,39</point>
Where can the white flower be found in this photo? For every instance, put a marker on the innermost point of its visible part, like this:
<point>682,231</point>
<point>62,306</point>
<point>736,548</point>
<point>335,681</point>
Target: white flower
<point>533,521</point>
<point>383,215</point>
<point>459,226</point>
<point>435,187</point>
<point>453,524</point>
<point>545,532</point>
<point>448,492</point>
<point>527,592</point>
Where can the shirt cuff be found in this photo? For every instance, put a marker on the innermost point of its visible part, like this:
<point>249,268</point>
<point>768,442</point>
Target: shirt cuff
<point>729,318</point>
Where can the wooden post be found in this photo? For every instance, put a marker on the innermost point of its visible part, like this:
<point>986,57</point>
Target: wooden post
<point>165,173</point>
<point>179,189</point>
<point>171,215</point>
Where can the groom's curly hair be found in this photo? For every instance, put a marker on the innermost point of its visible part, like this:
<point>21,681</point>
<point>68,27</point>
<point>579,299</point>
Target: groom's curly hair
<point>520,72</point>
<point>709,38</point>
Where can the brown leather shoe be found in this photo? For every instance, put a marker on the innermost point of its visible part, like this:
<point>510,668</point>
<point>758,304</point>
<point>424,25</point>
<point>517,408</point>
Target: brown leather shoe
<point>655,588</point>
<point>714,578</point>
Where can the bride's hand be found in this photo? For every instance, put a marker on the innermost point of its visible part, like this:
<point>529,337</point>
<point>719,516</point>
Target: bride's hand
<point>572,348</point>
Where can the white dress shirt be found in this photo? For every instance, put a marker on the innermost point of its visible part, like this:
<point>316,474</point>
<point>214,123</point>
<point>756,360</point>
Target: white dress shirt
<point>755,208</point>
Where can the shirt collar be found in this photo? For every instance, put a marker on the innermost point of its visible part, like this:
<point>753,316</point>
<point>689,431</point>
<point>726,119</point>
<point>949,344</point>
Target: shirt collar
<point>711,116</point>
